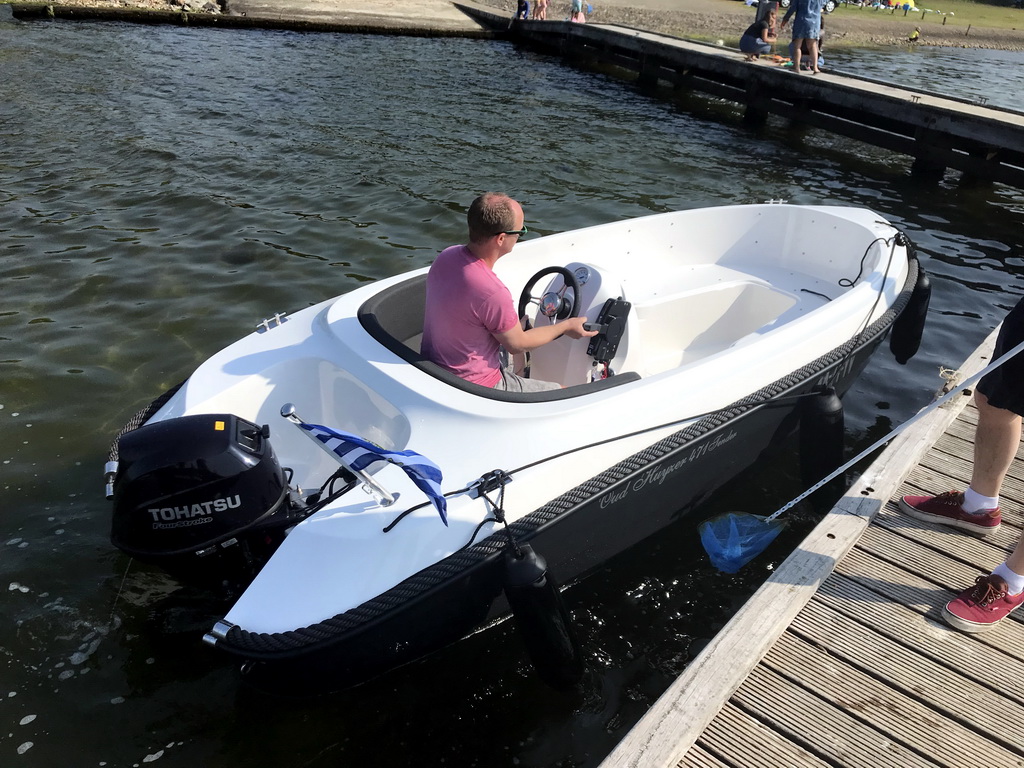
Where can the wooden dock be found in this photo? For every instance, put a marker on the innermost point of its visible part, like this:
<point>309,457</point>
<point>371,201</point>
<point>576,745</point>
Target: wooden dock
<point>939,132</point>
<point>841,658</point>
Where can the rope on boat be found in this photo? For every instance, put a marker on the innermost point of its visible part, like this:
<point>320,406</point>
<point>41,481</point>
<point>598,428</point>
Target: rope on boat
<point>141,418</point>
<point>898,239</point>
<point>278,644</point>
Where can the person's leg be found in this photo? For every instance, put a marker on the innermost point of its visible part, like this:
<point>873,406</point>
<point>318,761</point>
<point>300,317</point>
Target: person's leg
<point>798,44</point>
<point>993,597</point>
<point>1015,562</point>
<point>1000,401</point>
<point>813,43</point>
<point>511,382</point>
<point>999,398</point>
<point>746,48</point>
<point>995,445</point>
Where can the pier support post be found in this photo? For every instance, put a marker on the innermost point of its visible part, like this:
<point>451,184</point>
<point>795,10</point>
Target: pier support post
<point>756,113</point>
<point>649,67</point>
<point>928,169</point>
<point>975,175</point>
<point>683,80</point>
<point>930,150</point>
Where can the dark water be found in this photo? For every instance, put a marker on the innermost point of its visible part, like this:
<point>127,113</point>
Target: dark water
<point>995,78</point>
<point>162,190</point>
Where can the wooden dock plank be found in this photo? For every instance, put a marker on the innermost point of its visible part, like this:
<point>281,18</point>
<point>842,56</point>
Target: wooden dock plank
<point>917,675</point>
<point>942,568</point>
<point>698,758</point>
<point>873,702</point>
<point>819,726</point>
<point>877,587</point>
<point>741,740</point>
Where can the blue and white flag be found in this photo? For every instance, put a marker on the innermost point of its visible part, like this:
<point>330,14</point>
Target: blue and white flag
<point>358,453</point>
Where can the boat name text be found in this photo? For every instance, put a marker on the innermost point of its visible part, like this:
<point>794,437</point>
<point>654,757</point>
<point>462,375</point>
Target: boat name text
<point>659,474</point>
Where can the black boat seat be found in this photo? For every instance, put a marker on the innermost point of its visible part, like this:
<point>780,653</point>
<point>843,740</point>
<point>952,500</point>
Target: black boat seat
<point>394,317</point>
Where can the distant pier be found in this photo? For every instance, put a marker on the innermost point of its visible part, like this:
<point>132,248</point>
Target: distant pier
<point>983,143</point>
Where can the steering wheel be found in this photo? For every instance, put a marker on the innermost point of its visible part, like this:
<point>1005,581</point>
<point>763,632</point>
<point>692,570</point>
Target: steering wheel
<point>554,305</point>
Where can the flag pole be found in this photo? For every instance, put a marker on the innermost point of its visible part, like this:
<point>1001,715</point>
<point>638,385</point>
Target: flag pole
<point>386,498</point>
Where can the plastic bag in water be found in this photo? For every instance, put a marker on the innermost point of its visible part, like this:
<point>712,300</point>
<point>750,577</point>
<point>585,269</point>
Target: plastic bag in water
<point>733,539</point>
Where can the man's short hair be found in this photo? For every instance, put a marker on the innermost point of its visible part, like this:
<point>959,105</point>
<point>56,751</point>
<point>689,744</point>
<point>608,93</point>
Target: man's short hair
<point>490,214</point>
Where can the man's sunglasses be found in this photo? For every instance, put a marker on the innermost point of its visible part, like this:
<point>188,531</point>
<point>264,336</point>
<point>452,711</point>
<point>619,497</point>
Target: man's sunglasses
<point>519,232</point>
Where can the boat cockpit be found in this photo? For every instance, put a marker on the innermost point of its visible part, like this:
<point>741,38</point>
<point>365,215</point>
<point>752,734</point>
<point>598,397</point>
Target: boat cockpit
<point>649,324</point>
<point>394,317</point>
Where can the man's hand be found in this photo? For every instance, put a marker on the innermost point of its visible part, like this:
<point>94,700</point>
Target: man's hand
<point>517,340</point>
<point>573,328</point>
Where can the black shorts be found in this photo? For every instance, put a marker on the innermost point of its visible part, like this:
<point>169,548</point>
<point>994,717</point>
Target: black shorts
<point>1004,387</point>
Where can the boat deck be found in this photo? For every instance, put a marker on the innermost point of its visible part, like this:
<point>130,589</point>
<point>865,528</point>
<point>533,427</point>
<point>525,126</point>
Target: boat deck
<point>841,658</point>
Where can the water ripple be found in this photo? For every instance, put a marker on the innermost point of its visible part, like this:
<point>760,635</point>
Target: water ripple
<point>164,189</point>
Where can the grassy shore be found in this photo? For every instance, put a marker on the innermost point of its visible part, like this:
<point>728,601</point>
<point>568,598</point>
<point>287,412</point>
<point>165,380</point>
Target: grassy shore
<point>955,23</point>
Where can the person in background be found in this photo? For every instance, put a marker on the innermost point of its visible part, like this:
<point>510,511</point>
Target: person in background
<point>469,314</point>
<point>523,9</point>
<point>759,37</point>
<point>999,397</point>
<point>915,35</point>
<point>806,48</point>
<point>806,26</point>
<point>577,13</point>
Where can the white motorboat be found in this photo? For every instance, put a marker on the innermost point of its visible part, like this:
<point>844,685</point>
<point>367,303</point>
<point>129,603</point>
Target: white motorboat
<point>711,320</point>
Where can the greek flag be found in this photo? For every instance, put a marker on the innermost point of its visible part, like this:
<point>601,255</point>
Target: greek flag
<point>358,453</point>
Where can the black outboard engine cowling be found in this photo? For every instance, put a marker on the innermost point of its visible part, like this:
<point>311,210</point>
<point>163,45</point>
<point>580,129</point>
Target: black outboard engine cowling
<point>201,496</point>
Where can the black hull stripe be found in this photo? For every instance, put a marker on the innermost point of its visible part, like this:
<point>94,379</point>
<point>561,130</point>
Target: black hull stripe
<point>295,642</point>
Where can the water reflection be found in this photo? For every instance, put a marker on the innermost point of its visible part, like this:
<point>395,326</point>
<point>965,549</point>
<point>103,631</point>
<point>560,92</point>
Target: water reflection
<point>992,77</point>
<point>163,189</point>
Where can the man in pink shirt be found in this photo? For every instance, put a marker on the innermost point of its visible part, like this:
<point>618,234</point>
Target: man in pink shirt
<point>469,312</point>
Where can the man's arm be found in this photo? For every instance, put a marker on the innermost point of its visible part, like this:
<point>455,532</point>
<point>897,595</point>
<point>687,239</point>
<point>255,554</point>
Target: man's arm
<point>516,340</point>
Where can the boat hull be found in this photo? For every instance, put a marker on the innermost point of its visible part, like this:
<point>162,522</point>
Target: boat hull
<point>585,528</point>
<point>722,319</point>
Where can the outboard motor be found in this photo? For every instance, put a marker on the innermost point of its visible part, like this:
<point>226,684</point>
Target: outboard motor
<point>203,497</point>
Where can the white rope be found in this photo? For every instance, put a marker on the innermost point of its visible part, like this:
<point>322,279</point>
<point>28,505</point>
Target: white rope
<point>912,420</point>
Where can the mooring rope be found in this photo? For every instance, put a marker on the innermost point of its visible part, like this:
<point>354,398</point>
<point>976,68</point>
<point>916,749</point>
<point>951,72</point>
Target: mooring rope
<point>969,381</point>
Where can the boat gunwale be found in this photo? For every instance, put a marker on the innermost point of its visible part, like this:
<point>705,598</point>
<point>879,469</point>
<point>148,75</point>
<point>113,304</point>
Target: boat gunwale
<point>296,642</point>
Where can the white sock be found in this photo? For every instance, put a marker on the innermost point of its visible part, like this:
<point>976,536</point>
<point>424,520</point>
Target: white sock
<point>975,502</point>
<point>1014,581</point>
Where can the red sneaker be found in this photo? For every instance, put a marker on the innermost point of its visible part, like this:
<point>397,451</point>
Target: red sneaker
<point>947,509</point>
<point>981,607</point>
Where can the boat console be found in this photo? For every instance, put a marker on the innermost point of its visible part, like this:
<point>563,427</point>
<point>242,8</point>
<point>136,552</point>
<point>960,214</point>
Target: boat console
<point>394,317</point>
